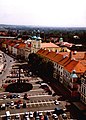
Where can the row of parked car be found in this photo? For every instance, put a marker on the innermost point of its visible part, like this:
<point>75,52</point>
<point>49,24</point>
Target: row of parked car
<point>27,116</point>
<point>17,104</point>
<point>12,96</point>
<point>37,115</point>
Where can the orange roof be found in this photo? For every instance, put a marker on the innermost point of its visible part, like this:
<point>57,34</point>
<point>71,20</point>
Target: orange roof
<point>21,45</point>
<point>64,61</point>
<point>11,44</point>
<point>68,63</point>
<point>50,55</point>
<point>75,65</point>
<point>78,55</point>
<point>57,57</point>
<point>49,45</point>
<point>6,41</point>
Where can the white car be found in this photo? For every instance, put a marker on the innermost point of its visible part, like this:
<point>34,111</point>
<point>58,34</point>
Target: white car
<point>8,116</point>
<point>18,96</point>
<point>12,105</point>
<point>57,102</point>
<point>64,116</point>
<point>3,106</point>
<point>31,114</point>
<point>55,116</point>
<point>4,97</point>
<point>26,115</point>
<point>40,113</point>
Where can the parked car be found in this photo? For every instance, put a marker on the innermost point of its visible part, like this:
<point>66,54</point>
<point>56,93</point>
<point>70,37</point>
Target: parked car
<point>8,116</point>
<point>4,96</point>
<point>7,104</point>
<point>48,113</point>
<point>64,116</point>
<point>57,102</point>
<point>36,113</point>
<point>46,117</point>
<point>31,114</point>
<point>14,95</point>
<point>24,105</point>
<point>17,116</point>
<point>18,96</point>
<point>58,111</point>
<point>12,105</point>
<point>40,113</point>
<point>18,106</point>
<point>55,116</point>
<point>3,106</point>
<point>37,117</point>
<point>26,116</point>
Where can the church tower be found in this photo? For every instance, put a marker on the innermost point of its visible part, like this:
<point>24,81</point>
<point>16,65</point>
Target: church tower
<point>36,41</point>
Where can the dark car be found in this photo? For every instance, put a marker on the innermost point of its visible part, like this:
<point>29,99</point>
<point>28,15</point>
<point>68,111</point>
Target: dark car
<point>58,111</point>
<point>7,104</point>
<point>18,106</point>
<point>14,95</point>
<point>46,117</point>
<point>24,105</point>
<point>36,113</point>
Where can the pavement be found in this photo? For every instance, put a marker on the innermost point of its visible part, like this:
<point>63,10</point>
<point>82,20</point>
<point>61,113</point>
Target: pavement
<point>6,70</point>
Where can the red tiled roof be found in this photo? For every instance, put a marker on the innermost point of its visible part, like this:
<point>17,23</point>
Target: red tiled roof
<point>75,65</point>
<point>21,45</point>
<point>11,44</point>
<point>49,45</point>
<point>6,41</point>
<point>79,55</point>
<point>68,63</point>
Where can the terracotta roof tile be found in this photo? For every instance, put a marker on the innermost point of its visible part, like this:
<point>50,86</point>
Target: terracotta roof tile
<point>75,65</point>
<point>49,45</point>
<point>21,45</point>
<point>63,59</point>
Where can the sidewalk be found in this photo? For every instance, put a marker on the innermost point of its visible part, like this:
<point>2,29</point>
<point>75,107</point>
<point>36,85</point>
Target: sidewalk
<point>80,106</point>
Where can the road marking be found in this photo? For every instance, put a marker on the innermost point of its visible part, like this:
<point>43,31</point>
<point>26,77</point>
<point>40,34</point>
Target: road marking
<point>41,102</point>
<point>36,85</point>
<point>36,90</point>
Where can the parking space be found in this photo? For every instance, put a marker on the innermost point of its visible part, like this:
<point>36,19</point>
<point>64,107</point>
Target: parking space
<point>40,98</point>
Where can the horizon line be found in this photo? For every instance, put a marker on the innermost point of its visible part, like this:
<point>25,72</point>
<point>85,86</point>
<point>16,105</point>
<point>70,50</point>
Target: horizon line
<point>44,26</point>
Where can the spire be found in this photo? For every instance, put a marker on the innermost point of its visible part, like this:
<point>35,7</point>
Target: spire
<point>38,35</point>
<point>34,35</point>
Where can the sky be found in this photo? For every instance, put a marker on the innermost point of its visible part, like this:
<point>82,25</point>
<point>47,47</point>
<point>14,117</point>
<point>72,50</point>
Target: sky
<point>55,13</point>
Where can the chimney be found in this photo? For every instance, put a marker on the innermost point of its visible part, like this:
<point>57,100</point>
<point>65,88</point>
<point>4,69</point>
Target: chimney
<point>70,55</point>
<point>84,56</point>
